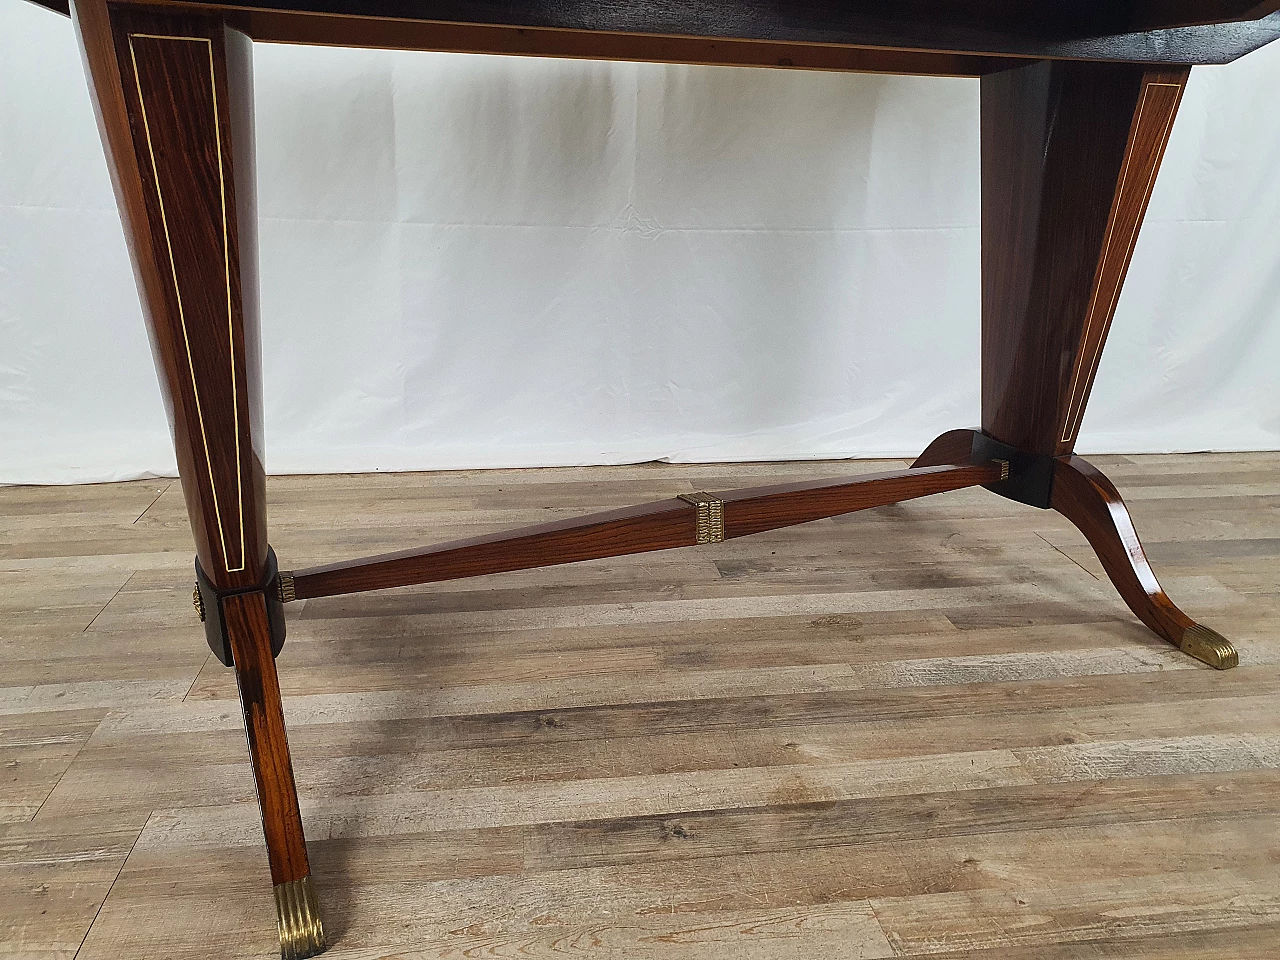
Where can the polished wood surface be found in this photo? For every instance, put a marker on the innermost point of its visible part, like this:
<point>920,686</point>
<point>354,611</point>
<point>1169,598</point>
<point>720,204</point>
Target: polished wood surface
<point>259,690</point>
<point>390,34</point>
<point>174,100</point>
<point>954,446</point>
<point>1148,136</point>
<point>1070,153</point>
<point>1102,30</point>
<point>920,34</point>
<point>1083,494</point>
<point>930,730</point>
<point>651,526</point>
<point>757,509</point>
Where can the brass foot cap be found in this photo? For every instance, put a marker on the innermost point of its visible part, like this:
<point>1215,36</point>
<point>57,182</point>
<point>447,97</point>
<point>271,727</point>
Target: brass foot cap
<point>1209,646</point>
<point>298,914</point>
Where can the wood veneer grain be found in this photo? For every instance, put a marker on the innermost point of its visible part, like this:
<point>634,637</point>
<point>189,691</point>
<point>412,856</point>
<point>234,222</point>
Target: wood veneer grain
<point>1091,30</point>
<point>174,98</point>
<point>1070,153</point>
<point>248,628</point>
<point>1083,494</point>
<point>639,529</point>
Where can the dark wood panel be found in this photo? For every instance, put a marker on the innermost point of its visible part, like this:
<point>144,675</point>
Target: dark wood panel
<point>1168,13</point>
<point>374,32</point>
<point>1069,157</point>
<point>1092,30</point>
<point>181,127</point>
<point>1148,136</point>
<point>165,100</point>
<point>57,6</point>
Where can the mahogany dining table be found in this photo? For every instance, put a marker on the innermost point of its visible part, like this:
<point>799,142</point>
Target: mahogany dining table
<point>1077,102</point>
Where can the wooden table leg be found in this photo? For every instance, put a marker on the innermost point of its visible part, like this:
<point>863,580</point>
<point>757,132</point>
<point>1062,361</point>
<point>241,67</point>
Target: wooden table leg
<point>173,95</point>
<point>1089,500</point>
<point>1070,153</point>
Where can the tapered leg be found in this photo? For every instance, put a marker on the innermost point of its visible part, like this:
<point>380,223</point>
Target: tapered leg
<point>1070,153</point>
<point>173,95</point>
<point>1069,157</point>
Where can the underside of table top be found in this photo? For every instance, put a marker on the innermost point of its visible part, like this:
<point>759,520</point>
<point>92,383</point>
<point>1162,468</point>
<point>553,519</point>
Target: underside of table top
<point>940,37</point>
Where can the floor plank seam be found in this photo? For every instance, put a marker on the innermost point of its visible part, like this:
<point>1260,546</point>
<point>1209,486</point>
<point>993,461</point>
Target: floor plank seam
<point>196,679</point>
<point>132,574</point>
<point>79,750</point>
<point>97,913</point>
<point>1068,556</point>
<point>894,944</point>
<point>153,502</point>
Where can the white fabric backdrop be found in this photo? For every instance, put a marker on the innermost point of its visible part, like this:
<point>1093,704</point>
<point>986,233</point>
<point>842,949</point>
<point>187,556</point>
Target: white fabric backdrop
<point>472,262</point>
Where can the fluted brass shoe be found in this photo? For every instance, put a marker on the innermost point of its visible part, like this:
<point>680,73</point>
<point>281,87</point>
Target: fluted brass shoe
<point>298,914</point>
<point>1209,646</point>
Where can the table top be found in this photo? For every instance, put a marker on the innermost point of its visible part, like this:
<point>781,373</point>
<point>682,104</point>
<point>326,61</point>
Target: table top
<point>960,37</point>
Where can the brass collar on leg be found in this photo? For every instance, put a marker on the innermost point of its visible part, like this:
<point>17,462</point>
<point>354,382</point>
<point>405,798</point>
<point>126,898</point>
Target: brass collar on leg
<point>298,916</point>
<point>710,516</point>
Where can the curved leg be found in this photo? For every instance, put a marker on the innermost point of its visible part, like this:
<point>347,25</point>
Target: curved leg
<point>954,446</point>
<point>1088,499</point>
<point>1070,153</point>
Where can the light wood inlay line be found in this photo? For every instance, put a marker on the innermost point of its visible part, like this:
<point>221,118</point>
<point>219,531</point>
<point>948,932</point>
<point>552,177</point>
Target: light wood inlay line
<point>177,290</point>
<point>1080,385</point>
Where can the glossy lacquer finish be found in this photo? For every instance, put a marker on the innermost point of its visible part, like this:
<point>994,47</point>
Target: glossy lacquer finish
<point>639,529</point>
<point>968,37</point>
<point>246,616</point>
<point>1089,500</point>
<point>174,96</point>
<point>1081,493</point>
<point>174,100</point>
<point>1069,158</point>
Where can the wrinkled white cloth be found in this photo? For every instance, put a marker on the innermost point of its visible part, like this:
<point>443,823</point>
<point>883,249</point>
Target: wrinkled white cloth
<point>483,261</point>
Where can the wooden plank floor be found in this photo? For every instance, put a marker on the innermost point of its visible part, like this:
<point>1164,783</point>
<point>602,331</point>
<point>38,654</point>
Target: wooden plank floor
<point>928,729</point>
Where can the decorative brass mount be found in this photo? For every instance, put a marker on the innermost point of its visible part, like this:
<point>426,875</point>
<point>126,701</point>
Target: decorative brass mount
<point>1209,646</point>
<point>710,516</point>
<point>298,917</point>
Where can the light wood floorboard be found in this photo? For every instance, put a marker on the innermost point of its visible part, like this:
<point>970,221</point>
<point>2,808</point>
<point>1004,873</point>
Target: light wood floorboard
<point>927,729</point>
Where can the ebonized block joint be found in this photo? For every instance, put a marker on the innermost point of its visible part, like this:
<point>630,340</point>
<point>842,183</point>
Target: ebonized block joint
<point>208,603</point>
<point>1029,475</point>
